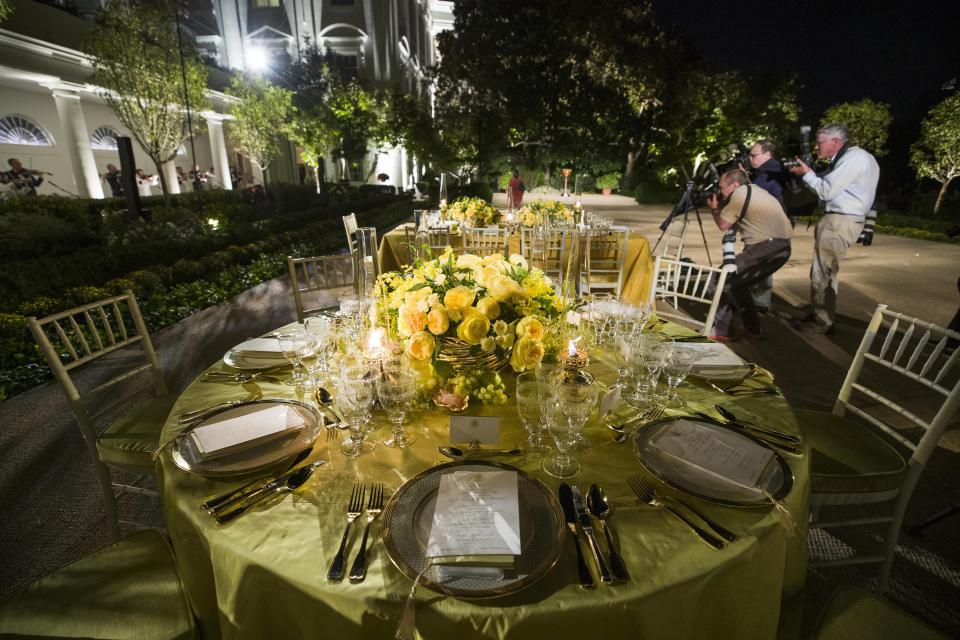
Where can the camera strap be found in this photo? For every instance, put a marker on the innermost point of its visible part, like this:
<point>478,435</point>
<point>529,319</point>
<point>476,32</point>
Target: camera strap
<point>743,209</point>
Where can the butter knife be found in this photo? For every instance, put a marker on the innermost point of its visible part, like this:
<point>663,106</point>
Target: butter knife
<point>587,525</point>
<point>570,515</point>
<point>218,501</point>
<point>223,507</point>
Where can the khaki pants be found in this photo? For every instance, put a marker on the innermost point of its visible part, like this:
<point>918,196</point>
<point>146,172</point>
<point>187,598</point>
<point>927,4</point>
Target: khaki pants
<point>833,236</point>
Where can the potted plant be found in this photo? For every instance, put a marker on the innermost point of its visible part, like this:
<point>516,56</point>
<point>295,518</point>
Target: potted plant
<point>608,182</point>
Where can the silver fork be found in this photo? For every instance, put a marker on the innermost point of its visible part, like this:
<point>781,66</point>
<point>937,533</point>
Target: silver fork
<point>643,490</point>
<point>651,487</point>
<point>354,509</point>
<point>358,571</point>
<point>333,431</point>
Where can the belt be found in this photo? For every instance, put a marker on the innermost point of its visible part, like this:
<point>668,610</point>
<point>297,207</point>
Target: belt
<point>841,213</point>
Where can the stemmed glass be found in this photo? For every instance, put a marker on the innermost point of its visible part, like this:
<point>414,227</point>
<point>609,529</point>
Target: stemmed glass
<point>293,345</point>
<point>355,401</point>
<point>528,406</point>
<point>318,330</point>
<point>576,402</point>
<point>396,390</point>
<point>676,368</point>
<point>654,354</point>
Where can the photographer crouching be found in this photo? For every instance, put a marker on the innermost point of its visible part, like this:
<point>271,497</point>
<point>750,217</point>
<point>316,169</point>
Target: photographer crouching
<point>763,226</point>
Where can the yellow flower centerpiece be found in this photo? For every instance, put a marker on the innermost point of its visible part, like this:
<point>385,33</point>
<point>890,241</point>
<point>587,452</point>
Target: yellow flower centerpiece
<point>537,211</point>
<point>455,313</point>
<point>475,212</point>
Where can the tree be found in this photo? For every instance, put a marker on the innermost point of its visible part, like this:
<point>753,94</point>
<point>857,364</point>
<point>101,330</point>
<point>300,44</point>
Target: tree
<point>5,9</point>
<point>936,154</point>
<point>868,123</point>
<point>261,118</point>
<point>135,51</point>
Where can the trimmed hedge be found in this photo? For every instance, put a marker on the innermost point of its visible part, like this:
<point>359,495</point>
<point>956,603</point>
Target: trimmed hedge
<point>66,245</point>
<point>167,294</point>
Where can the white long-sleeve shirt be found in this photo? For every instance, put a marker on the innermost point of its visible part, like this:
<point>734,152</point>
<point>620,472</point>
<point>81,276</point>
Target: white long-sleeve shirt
<point>851,186</point>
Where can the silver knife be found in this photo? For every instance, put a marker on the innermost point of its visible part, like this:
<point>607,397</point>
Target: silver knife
<point>587,525</point>
<point>266,488</point>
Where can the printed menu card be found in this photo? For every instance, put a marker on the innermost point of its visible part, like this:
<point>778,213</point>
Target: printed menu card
<point>476,520</point>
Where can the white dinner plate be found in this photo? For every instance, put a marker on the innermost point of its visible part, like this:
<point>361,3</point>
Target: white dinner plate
<point>255,354</point>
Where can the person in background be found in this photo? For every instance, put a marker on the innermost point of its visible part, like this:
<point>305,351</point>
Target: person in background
<point>212,180</point>
<point>765,230</point>
<point>112,178</point>
<point>144,182</point>
<point>183,179</point>
<point>198,178</point>
<point>766,172</point>
<point>515,189</point>
<point>236,180</point>
<point>847,191</point>
<point>25,181</point>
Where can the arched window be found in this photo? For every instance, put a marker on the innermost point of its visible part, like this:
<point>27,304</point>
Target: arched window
<point>104,139</point>
<point>20,130</point>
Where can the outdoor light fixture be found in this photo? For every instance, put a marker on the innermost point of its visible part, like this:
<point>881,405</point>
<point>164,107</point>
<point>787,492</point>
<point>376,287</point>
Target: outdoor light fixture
<point>257,60</point>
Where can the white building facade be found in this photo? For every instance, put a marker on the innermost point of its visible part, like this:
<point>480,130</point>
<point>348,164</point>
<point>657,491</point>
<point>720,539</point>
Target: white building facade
<point>53,120</point>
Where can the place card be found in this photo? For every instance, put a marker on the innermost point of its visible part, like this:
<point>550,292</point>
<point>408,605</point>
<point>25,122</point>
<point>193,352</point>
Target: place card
<point>243,432</point>
<point>476,520</point>
<point>608,402</point>
<point>718,452</point>
<point>467,429</point>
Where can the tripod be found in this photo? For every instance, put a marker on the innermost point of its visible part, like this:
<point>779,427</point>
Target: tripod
<point>683,207</point>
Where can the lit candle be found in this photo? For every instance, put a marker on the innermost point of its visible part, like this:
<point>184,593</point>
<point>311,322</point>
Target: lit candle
<point>375,343</point>
<point>572,348</point>
<point>509,217</point>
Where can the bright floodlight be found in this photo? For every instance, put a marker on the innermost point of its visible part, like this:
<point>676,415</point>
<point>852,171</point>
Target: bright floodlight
<point>257,61</point>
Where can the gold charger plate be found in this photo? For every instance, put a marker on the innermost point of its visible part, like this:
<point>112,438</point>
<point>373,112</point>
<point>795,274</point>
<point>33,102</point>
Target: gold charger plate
<point>266,455</point>
<point>777,480</point>
<point>406,528</point>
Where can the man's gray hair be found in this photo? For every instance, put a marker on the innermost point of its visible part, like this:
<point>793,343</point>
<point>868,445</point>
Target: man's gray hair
<point>734,175</point>
<point>838,131</point>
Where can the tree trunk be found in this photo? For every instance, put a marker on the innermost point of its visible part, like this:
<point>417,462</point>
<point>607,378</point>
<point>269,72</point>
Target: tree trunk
<point>943,192</point>
<point>163,181</point>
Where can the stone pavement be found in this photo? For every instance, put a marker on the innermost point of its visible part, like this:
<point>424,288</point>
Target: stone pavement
<point>52,510</point>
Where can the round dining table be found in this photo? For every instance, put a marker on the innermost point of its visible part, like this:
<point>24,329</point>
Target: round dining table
<point>263,575</point>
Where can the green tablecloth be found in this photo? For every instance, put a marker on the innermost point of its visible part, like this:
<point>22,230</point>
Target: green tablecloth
<point>637,264</point>
<point>264,575</point>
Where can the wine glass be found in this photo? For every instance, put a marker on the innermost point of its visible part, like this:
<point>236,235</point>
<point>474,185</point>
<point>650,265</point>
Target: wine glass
<point>655,355</point>
<point>575,402</point>
<point>528,407</point>
<point>355,401</point>
<point>396,390</point>
<point>676,368</point>
<point>318,329</point>
<point>292,343</point>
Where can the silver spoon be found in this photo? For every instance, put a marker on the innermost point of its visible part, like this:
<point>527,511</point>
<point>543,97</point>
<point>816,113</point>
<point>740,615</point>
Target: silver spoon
<point>600,509</point>
<point>455,453</point>
<point>326,401</point>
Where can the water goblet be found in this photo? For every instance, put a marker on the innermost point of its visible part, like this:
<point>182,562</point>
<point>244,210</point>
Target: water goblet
<point>319,330</point>
<point>528,407</point>
<point>576,402</point>
<point>355,401</point>
<point>676,368</point>
<point>292,344</point>
<point>396,390</point>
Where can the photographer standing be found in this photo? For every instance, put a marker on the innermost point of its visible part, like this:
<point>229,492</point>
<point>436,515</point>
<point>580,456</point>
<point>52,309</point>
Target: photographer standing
<point>765,231</point>
<point>766,173</point>
<point>847,191</point>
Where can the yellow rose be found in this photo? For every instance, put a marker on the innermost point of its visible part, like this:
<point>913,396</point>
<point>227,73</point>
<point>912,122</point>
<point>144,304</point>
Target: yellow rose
<point>474,326</point>
<point>437,321</point>
<point>527,353</point>
<point>518,260</point>
<point>421,345</point>
<point>410,319</point>
<point>488,344</point>
<point>486,275</point>
<point>489,307</point>
<point>458,298</point>
<point>503,288</point>
<point>530,327</point>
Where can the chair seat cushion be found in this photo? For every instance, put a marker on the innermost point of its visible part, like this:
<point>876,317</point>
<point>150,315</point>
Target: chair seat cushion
<point>848,457</point>
<point>855,614</point>
<point>129,441</point>
<point>129,589</point>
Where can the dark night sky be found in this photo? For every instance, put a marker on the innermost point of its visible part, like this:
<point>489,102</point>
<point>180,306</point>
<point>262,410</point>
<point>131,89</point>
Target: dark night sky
<point>900,53</point>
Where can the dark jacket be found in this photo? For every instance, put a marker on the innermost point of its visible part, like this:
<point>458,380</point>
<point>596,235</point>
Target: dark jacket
<point>771,177</point>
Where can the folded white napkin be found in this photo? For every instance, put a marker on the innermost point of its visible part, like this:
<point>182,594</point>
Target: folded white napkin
<point>259,348</point>
<point>713,354</point>
<point>242,432</point>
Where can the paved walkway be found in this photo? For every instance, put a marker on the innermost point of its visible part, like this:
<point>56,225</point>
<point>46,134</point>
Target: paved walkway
<point>52,510</point>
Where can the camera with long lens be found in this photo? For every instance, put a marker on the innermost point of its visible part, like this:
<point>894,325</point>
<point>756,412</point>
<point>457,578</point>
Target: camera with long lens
<point>729,248</point>
<point>806,151</point>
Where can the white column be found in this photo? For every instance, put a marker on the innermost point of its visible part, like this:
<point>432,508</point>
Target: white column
<point>77,142</point>
<point>170,175</point>
<point>218,149</point>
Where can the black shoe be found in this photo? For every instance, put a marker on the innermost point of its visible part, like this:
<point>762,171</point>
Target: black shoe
<point>811,325</point>
<point>763,310</point>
